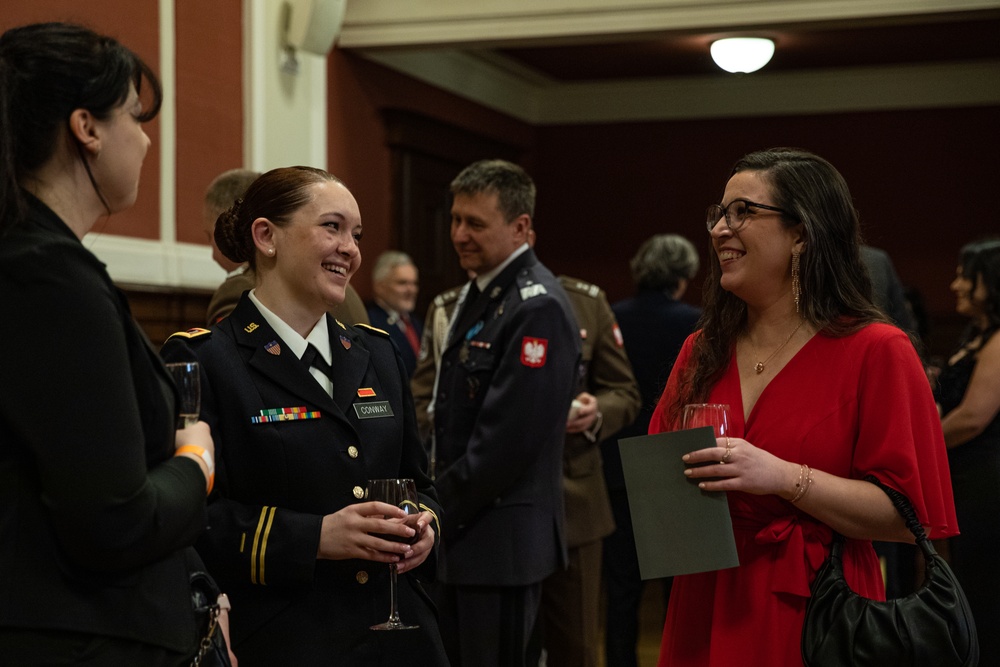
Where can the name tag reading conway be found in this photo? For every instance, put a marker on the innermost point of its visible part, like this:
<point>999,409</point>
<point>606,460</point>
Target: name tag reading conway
<point>373,410</point>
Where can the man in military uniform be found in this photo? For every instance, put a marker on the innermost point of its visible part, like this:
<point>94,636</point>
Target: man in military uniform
<point>506,378</point>
<point>609,399</point>
<point>221,193</point>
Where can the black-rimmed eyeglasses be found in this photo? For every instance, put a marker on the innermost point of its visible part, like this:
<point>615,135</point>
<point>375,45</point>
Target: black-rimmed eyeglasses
<point>736,213</point>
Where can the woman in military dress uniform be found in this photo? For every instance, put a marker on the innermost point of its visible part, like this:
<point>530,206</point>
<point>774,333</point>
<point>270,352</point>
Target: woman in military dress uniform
<point>305,410</point>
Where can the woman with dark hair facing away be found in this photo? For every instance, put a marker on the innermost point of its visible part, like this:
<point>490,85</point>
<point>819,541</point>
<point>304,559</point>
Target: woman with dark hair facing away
<point>968,393</point>
<point>306,410</point>
<point>822,392</point>
<point>100,497</point>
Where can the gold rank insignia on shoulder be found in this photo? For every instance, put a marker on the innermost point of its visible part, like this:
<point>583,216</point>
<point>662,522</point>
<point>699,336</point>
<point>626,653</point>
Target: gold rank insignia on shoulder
<point>191,333</point>
<point>371,328</point>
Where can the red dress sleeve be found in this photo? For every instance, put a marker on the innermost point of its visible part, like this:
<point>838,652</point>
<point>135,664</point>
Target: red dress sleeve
<point>900,439</point>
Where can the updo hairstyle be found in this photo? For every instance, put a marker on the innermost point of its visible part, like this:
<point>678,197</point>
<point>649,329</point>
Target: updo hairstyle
<point>275,195</point>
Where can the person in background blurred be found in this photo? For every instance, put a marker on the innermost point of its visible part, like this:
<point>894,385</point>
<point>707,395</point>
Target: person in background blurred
<point>309,409</point>
<point>607,397</point>
<point>968,394</point>
<point>654,324</point>
<point>822,392</point>
<point>887,291</point>
<point>395,281</point>
<point>222,192</point>
<point>224,189</point>
<point>100,497</point>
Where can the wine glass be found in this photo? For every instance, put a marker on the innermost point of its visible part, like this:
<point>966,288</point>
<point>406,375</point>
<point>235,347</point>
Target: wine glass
<point>715,415</point>
<point>187,379</point>
<point>403,494</point>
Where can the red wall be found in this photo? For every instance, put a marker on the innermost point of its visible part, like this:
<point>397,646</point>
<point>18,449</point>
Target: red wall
<point>209,62</point>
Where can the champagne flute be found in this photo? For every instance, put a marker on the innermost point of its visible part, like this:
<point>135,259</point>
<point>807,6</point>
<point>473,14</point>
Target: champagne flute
<point>187,379</point>
<point>715,415</point>
<point>403,494</point>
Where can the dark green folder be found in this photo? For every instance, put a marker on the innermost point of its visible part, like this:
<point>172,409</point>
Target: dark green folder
<point>679,529</point>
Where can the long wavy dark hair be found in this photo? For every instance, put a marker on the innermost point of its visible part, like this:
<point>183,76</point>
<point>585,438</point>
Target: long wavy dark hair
<point>836,290</point>
<point>980,262</point>
<point>48,70</point>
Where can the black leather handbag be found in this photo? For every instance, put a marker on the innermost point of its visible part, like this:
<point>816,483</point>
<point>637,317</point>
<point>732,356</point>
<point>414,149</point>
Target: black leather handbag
<point>933,626</point>
<point>212,650</point>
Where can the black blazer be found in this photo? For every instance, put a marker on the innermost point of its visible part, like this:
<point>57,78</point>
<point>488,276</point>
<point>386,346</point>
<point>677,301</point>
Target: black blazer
<point>95,512</point>
<point>508,374</point>
<point>276,480</point>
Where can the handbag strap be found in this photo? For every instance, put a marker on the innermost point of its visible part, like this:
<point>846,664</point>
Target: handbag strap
<point>905,509</point>
<point>903,506</point>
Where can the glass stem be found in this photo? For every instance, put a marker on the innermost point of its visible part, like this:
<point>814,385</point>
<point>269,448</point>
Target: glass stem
<point>393,612</point>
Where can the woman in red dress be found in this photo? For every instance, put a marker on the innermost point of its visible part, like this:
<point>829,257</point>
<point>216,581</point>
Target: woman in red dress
<point>822,391</point>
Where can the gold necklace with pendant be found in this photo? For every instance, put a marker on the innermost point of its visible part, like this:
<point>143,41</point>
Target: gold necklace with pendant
<point>759,366</point>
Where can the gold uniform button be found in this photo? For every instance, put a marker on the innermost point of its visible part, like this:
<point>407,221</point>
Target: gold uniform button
<point>352,451</point>
<point>362,577</point>
<point>359,493</point>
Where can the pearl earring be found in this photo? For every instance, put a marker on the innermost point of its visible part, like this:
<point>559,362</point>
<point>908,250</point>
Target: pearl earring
<point>270,251</point>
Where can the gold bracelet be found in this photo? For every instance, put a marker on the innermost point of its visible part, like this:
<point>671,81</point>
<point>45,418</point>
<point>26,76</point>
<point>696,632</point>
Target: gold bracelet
<point>805,481</point>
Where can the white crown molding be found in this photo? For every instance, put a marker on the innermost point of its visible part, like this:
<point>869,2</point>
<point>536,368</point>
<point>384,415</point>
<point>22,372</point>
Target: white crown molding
<point>404,23</point>
<point>540,101</point>
<point>162,264</point>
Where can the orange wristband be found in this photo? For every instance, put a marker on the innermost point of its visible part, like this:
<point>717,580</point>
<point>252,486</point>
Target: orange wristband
<point>205,456</point>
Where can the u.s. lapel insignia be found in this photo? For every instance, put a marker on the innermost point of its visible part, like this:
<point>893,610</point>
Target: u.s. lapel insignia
<point>346,342</point>
<point>274,347</point>
<point>495,292</point>
<point>250,327</point>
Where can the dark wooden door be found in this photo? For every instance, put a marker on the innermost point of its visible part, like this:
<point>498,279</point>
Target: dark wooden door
<point>426,155</point>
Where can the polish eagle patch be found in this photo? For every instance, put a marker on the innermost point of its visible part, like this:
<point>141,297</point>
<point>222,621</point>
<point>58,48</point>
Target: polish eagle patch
<point>534,351</point>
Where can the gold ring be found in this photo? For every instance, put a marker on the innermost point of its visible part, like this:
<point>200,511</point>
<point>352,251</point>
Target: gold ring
<point>729,451</point>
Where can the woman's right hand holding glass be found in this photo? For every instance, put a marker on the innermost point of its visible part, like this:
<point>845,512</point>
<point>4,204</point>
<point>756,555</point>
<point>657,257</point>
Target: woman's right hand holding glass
<point>352,532</point>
